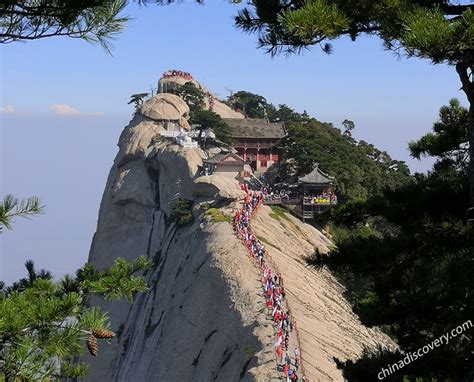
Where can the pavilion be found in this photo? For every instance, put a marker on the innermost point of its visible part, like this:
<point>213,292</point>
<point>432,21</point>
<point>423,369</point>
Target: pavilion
<point>317,190</point>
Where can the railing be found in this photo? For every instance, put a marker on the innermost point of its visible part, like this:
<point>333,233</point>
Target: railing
<point>291,200</point>
<point>328,203</point>
<point>272,201</point>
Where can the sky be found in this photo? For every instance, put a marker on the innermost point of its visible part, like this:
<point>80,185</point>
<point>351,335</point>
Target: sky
<point>63,104</point>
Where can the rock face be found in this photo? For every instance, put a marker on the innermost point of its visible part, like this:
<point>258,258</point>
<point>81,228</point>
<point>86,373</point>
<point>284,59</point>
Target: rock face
<point>326,325</point>
<point>218,107</point>
<point>165,106</point>
<point>203,318</point>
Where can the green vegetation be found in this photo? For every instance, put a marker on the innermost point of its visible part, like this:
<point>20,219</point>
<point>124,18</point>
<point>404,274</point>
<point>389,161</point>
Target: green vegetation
<point>204,119</point>
<point>438,30</point>
<point>11,208</point>
<point>360,169</point>
<point>251,105</point>
<point>279,213</point>
<point>44,324</point>
<point>249,351</point>
<point>209,120</point>
<point>264,241</point>
<point>413,251</point>
<point>205,206</point>
<point>90,20</point>
<point>193,96</point>
<point>137,99</point>
<point>217,216</point>
<point>181,212</point>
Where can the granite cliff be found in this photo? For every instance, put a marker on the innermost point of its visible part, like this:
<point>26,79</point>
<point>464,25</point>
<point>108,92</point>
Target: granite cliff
<point>204,318</point>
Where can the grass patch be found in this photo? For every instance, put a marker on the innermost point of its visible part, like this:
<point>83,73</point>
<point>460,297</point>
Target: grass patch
<point>217,216</point>
<point>279,213</point>
<point>264,241</point>
<point>249,351</point>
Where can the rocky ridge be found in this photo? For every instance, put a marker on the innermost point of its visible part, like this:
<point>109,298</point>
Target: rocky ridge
<point>203,318</point>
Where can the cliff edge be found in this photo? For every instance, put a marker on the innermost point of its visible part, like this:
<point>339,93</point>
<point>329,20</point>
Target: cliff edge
<point>203,318</point>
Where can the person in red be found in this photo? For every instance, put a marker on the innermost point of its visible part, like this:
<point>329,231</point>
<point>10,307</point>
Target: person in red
<point>294,376</point>
<point>279,351</point>
<point>276,317</point>
<point>285,370</point>
<point>237,217</point>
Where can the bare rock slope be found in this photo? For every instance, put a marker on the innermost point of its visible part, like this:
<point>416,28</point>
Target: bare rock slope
<point>326,325</point>
<point>201,320</point>
<point>204,318</point>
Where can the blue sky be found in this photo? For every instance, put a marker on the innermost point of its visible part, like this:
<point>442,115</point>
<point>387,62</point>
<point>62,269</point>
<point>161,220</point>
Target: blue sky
<point>64,104</point>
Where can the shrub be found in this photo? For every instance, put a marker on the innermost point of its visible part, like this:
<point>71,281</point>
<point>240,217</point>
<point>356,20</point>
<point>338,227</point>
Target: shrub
<point>217,216</point>
<point>181,212</point>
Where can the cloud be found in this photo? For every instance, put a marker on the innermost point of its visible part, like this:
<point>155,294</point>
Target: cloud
<point>66,110</point>
<point>62,109</point>
<point>6,109</point>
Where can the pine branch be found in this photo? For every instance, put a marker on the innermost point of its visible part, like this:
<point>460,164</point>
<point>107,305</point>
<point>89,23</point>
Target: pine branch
<point>97,22</point>
<point>118,281</point>
<point>11,208</point>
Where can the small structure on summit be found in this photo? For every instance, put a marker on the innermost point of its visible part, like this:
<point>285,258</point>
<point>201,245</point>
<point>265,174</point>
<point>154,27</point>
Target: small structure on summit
<point>254,140</point>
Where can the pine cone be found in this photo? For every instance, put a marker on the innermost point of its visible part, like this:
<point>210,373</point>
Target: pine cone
<point>102,333</point>
<point>92,345</point>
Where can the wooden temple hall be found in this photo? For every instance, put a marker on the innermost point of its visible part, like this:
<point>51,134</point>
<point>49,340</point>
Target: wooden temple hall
<point>317,192</point>
<point>311,195</point>
<point>254,141</point>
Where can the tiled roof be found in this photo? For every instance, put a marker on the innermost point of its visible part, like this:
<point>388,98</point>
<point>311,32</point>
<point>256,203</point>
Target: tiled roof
<point>255,128</point>
<point>317,177</point>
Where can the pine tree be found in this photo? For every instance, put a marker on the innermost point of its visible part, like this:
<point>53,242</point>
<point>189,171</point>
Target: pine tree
<point>438,30</point>
<point>45,325</point>
<point>410,253</point>
<point>209,120</point>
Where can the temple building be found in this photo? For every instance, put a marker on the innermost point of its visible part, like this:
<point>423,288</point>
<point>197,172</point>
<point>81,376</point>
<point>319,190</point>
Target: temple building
<point>317,190</point>
<point>254,140</point>
<point>227,164</point>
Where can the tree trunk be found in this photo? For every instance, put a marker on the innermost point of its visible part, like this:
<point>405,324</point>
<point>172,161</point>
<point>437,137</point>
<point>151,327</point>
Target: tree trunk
<point>471,158</point>
<point>465,71</point>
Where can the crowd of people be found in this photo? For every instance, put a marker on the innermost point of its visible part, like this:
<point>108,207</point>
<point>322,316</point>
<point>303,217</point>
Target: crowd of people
<point>326,197</point>
<point>271,196</point>
<point>177,73</point>
<point>210,99</point>
<point>273,289</point>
